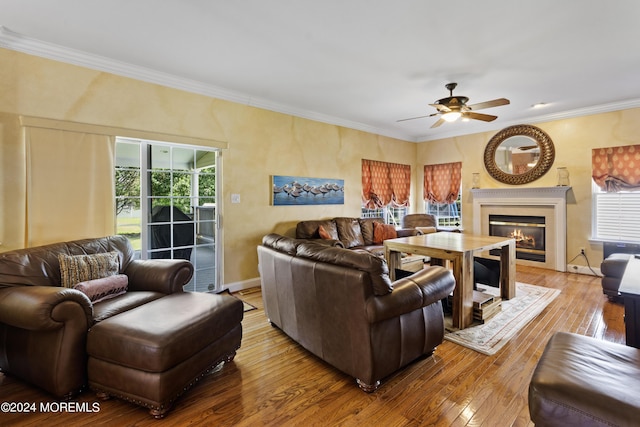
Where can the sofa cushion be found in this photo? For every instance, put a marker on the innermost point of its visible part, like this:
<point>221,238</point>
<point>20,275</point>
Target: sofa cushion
<point>382,232</point>
<point>310,229</point>
<point>107,287</point>
<point>80,268</point>
<point>360,260</point>
<point>39,266</point>
<point>349,232</point>
<point>129,300</point>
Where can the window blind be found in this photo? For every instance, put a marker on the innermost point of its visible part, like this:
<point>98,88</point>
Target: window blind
<point>617,216</point>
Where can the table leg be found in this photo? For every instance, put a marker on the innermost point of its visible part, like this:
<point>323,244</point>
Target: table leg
<point>463,293</point>
<point>508,270</point>
<point>394,261</point>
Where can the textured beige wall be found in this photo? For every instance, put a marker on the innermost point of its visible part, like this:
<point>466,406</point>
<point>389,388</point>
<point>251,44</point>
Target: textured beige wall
<point>261,143</point>
<point>573,140</point>
<point>264,143</point>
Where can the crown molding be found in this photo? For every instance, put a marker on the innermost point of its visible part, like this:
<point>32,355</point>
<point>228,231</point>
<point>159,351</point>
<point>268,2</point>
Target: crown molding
<point>18,42</point>
<point>578,112</point>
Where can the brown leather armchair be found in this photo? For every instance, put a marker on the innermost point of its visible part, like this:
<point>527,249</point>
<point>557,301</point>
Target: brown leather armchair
<point>425,223</point>
<point>612,269</point>
<point>43,326</point>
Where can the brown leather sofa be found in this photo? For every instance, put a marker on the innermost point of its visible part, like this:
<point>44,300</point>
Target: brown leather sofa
<point>583,381</point>
<point>341,306</point>
<point>349,233</point>
<point>43,326</point>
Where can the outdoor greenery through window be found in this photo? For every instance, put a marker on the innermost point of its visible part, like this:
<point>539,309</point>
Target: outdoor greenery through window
<point>166,204</point>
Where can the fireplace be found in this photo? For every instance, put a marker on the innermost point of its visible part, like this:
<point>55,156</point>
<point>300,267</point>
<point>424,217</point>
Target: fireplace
<point>528,232</point>
<point>549,203</point>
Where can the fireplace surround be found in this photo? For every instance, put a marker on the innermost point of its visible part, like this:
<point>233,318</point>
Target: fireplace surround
<point>549,203</point>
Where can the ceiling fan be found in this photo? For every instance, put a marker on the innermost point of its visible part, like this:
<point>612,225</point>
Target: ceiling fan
<point>452,108</point>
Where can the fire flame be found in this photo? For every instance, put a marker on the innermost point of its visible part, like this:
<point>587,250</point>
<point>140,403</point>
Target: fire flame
<point>521,239</point>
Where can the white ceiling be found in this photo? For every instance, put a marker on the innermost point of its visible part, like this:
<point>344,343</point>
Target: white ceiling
<point>355,63</point>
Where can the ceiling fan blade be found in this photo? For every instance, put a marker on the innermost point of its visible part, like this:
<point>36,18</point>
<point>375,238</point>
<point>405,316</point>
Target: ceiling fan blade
<point>488,104</point>
<point>438,123</point>
<point>419,117</point>
<point>479,116</point>
<point>441,108</point>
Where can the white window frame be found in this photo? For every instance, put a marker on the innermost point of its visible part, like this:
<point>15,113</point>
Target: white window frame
<point>448,215</point>
<point>389,214</point>
<point>145,201</point>
<point>615,216</point>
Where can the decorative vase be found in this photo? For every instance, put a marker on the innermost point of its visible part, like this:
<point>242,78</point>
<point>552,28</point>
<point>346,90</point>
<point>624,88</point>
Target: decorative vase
<point>563,177</point>
<point>475,181</point>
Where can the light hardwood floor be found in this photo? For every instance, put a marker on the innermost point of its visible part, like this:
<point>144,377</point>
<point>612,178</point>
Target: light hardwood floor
<point>274,382</point>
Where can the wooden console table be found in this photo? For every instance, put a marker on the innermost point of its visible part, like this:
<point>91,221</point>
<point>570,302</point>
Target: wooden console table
<point>458,248</point>
<point>630,291</point>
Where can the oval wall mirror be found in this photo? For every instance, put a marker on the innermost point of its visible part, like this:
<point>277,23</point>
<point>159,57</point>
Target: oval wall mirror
<point>519,154</point>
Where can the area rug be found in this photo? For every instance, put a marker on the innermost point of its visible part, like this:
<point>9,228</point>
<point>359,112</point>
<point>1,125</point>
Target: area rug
<point>490,337</point>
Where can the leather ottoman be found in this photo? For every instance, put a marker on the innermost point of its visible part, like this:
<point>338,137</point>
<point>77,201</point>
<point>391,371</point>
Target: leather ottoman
<point>152,354</point>
<point>583,381</point>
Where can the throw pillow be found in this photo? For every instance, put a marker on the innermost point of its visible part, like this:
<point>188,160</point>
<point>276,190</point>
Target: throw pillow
<point>80,268</point>
<point>323,233</point>
<point>101,289</point>
<point>383,232</point>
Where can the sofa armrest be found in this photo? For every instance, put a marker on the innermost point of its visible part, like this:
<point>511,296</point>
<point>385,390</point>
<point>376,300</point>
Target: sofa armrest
<point>421,289</point>
<point>406,232</point>
<point>167,276</point>
<point>39,308</point>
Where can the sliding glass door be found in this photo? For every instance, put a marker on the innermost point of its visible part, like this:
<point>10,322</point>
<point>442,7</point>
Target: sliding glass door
<point>166,204</point>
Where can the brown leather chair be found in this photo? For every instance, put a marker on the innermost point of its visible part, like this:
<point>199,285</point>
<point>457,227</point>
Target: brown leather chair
<point>612,269</point>
<point>425,223</point>
<point>43,326</point>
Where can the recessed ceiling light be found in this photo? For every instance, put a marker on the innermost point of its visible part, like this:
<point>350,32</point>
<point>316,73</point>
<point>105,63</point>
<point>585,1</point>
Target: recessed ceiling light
<point>539,105</point>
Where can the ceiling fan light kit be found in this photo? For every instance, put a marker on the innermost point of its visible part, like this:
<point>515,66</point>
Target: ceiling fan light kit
<point>451,116</point>
<point>453,107</point>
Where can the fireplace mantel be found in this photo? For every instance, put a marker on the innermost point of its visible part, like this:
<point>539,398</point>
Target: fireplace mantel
<point>526,192</point>
<point>524,201</point>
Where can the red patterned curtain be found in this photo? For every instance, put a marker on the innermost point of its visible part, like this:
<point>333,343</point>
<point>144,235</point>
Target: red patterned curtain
<point>442,182</point>
<point>385,183</point>
<point>616,169</point>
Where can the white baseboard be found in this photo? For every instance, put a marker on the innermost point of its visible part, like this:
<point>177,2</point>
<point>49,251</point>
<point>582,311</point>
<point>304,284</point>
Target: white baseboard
<point>245,284</point>
<point>582,269</point>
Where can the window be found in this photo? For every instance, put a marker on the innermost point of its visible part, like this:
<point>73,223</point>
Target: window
<point>442,189</point>
<point>390,215</point>
<point>615,215</point>
<point>166,204</point>
<point>616,193</point>
<point>447,214</point>
<point>385,190</point>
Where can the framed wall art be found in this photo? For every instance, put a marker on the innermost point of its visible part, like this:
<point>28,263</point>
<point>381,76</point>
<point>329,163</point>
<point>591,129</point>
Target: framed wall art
<point>298,191</point>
